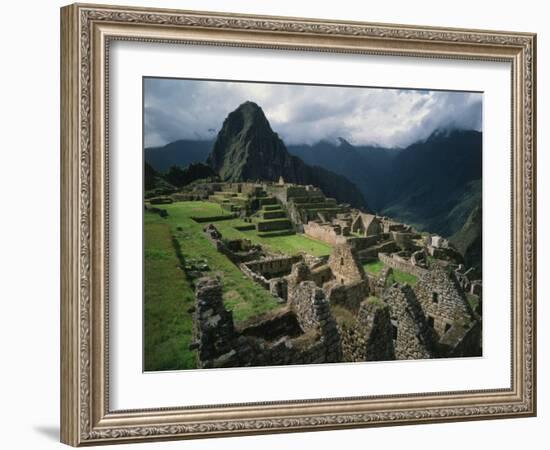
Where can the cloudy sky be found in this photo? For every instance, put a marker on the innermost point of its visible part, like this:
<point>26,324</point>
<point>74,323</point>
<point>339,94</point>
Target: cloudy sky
<point>195,109</point>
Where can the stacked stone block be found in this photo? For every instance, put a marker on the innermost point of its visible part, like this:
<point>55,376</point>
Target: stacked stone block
<point>370,337</point>
<point>413,337</point>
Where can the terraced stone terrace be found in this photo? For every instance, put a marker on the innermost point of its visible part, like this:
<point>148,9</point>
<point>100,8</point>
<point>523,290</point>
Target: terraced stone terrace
<point>309,207</point>
<point>229,201</point>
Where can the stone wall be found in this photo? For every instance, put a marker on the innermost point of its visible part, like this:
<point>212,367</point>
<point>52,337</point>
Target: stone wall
<point>375,250</point>
<point>345,265</point>
<point>274,225</point>
<point>348,295</point>
<point>331,234</point>
<point>442,299</point>
<point>362,243</point>
<point>370,337</point>
<point>237,251</point>
<point>254,276</point>
<point>367,225</point>
<point>273,267</point>
<point>272,325</point>
<point>402,265</point>
<point>286,192</point>
<point>213,329</point>
<point>313,313</point>
<point>413,338</point>
<point>300,272</point>
<point>403,239</point>
<point>275,338</point>
<point>469,342</point>
<point>321,275</point>
<point>278,287</point>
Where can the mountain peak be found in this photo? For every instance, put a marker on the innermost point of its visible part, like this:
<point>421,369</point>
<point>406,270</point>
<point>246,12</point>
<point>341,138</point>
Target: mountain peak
<point>248,105</point>
<point>249,110</point>
<point>343,142</point>
<point>246,148</point>
<point>246,116</point>
<point>449,132</point>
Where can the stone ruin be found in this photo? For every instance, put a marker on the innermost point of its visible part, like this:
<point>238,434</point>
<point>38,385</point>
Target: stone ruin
<point>345,265</point>
<point>329,232</point>
<point>368,336</point>
<point>330,309</point>
<point>412,337</point>
<point>237,250</point>
<point>332,312</point>
<point>302,332</point>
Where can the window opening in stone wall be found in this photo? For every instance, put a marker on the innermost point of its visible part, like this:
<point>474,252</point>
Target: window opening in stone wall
<point>394,329</point>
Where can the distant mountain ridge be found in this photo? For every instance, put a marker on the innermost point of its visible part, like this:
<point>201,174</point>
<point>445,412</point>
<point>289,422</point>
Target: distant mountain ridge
<point>365,166</point>
<point>433,184</point>
<point>468,240</point>
<point>178,153</point>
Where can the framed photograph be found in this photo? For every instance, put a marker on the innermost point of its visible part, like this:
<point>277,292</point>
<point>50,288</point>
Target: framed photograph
<point>276,224</point>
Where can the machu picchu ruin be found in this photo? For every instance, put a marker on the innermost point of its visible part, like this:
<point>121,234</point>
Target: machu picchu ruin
<point>255,258</point>
<point>382,291</point>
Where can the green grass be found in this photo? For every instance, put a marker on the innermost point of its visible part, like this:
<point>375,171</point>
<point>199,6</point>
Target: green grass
<point>290,245</point>
<point>271,207</point>
<point>373,267</point>
<point>167,296</point>
<point>401,277</point>
<point>198,209</point>
<point>473,300</point>
<point>244,297</point>
<point>397,277</point>
<point>373,300</point>
<point>343,316</point>
<point>294,244</point>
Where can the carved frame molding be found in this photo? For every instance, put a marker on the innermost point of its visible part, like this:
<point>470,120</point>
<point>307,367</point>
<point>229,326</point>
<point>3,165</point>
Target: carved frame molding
<point>86,31</point>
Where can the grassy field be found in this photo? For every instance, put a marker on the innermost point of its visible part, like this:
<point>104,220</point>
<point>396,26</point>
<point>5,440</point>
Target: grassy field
<point>404,277</point>
<point>398,275</point>
<point>289,245</point>
<point>167,296</point>
<point>244,297</point>
<point>373,267</point>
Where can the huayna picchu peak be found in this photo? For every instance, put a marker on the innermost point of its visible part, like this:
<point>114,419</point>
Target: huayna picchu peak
<point>247,149</point>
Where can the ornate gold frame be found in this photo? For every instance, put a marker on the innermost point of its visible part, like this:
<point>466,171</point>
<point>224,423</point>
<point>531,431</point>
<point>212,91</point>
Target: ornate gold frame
<point>86,31</point>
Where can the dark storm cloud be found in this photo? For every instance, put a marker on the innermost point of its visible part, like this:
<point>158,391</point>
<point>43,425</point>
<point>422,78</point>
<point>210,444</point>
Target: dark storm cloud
<point>191,109</point>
